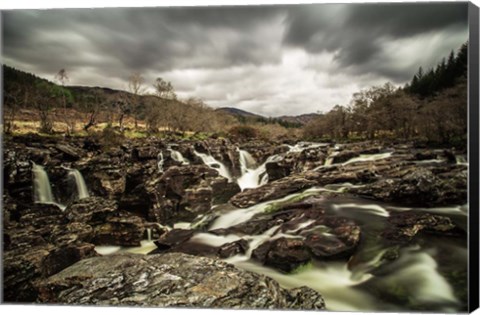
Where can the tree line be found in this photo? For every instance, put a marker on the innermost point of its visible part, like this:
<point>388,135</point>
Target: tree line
<point>431,108</point>
<point>89,106</point>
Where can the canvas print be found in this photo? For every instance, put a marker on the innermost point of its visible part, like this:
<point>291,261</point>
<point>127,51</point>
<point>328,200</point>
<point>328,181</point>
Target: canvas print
<point>308,156</point>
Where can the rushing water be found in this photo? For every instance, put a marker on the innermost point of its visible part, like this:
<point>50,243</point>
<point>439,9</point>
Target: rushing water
<point>415,280</point>
<point>80,183</point>
<point>178,157</point>
<point>42,191</point>
<point>252,176</point>
<point>160,162</point>
<point>211,162</point>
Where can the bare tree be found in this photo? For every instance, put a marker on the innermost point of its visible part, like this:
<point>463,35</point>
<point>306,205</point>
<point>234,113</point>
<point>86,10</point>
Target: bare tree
<point>62,78</point>
<point>135,86</point>
<point>92,105</point>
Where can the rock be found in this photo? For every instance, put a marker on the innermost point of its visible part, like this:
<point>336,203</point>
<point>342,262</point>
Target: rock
<point>92,210</point>
<point>234,248</point>
<point>418,187</point>
<point>127,230</point>
<point>344,156</point>
<point>173,238</point>
<point>404,226</point>
<point>69,152</point>
<point>62,257</point>
<point>170,280</point>
<point>184,192</point>
<point>285,254</point>
<point>271,191</point>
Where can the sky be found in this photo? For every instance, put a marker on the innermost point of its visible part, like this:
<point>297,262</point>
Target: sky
<point>269,60</point>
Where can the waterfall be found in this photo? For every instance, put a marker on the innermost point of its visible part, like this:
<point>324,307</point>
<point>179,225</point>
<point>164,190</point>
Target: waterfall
<point>211,162</point>
<point>80,183</point>
<point>149,234</point>
<point>41,185</point>
<point>177,156</point>
<point>253,177</point>
<point>369,157</point>
<point>246,161</point>
<point>160,162</point>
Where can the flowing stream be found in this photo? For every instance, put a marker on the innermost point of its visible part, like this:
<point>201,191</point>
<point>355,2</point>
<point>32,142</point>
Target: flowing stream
<point>420,277</point>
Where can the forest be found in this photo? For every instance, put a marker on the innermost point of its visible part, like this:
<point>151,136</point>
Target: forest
<point>431,108</point>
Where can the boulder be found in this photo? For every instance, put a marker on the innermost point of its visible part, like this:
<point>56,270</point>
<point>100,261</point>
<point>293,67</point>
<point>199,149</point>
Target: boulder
<point>285,254</point>
<point>404,226</point>
<point>170,280</point>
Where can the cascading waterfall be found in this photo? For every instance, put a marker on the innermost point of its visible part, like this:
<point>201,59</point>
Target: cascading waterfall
<point>211,162</point>
<point>178,157</point>
<point>80,183</point>
<point>42,190</point>
<point>253,177</point>
<point>160,162</point>
<point>369,157</point>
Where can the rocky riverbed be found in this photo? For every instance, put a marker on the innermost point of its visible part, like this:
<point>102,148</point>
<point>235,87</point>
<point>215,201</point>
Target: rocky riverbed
<point>278,225</point>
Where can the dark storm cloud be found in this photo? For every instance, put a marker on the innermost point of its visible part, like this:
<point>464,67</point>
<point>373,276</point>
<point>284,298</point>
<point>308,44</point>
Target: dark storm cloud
<point>246,56</point>
<point>357,33</point>
<point>139,39</point>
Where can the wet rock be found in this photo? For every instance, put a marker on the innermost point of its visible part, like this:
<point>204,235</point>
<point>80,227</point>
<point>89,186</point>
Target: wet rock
<point>418,187</point>
<point>285,254</point>
<point>344,156</point>
<point>121,231</point>
<point>271,191</point>
<point>173,238</point>
<point>184,192</point>
<point>92,210</point>
<point>404,226</point>
<point>170,280</point>
<point>234,248</point>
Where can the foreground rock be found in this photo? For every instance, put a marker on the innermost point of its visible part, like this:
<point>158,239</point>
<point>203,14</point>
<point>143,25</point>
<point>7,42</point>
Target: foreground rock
<point>170,280</point>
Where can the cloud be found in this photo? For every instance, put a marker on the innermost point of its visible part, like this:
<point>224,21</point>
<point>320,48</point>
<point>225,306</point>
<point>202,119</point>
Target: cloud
<point>271,60</point>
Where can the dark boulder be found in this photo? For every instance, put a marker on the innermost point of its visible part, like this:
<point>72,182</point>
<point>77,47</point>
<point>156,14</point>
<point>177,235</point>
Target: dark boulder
<point>170,280</point>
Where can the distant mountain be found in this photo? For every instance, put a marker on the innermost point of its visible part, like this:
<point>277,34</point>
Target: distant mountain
<point>300,119</point>
<point>238,112</point>
<point>287,121</point>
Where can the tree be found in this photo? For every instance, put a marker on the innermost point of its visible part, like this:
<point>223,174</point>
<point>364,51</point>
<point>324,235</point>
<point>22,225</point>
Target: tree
<point>135,86</point>
<point>92,105</point>
<point>69,120</point>
<point>164,89</point>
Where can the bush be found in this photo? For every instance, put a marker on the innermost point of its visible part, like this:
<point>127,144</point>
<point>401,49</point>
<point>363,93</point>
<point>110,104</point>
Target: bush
<point>242,133</point>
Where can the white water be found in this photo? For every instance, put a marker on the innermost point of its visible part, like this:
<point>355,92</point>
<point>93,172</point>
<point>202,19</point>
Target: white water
<point>461,160</point>
<point>238,216</point>
<point>42,191</point>
<point>80,183</point>
<point>177,156</point>
<point>253,177</point>
<point>301,146</point>
<point>160,162</point>
<point>211,162</point>
<point>372,209</point>
<point>369,157</point>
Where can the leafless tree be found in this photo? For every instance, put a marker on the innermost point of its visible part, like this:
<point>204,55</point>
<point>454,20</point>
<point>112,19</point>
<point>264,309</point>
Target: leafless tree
<point>135,86</point>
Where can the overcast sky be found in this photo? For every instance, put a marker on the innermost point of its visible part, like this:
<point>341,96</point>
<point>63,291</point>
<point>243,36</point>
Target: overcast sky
<point>270,60</point>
